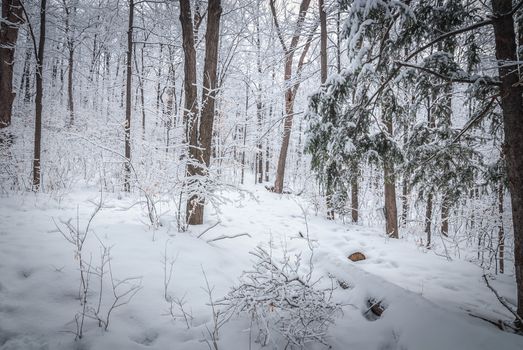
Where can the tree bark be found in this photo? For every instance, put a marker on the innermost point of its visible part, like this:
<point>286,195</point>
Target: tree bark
<point>329,192</point>
<point>38,98</point>
<point>70,61</point>
<point>323,76</point>
<point>212,38</point>
<point>391,211</point>
<point>512,108</point>
<point>354,195</point>
<point>128,107</point>
<point>428,219</point>
<point>70,100</point>
<point>323,41</point>
<point>445,208</point>
<point>290,89</point>
<point>404,201</point>
<point>259,114</point>
<point>25,84</point>
<point>191,104</point>
<point>11,19</point>
<point>267,162</point>
<point>501,231</point>
<point>200,140</point>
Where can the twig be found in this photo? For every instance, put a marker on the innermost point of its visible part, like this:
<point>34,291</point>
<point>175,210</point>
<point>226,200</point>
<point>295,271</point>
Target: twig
<point>209,228</point>
<point>224,237</point>
<point>502,300</point>
<point>499,324</point>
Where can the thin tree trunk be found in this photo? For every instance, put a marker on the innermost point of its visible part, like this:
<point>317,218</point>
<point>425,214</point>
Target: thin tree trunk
<point>290,92</point>
<point>391,211</point>
<point>70,61</point>
<point>323,41</point>
<point>11,20</point>
<point>267,162</point>
<point>70,101</point>
<point>354,195</point>
<point>38,98</point>
<point>25,85</point>
<point>128,107</point>
<point>287,126</point>
<point>141,74</point>
<point>404,201</point>
<point>244,137</point>
<point>329,191</point>
<point>244,132</point>
<point>338,41</point>
<point>445,208</point>
<point>501,231</point>
<point>323,76</point>
<point>158,85</point>
<point>512,108</point>
<point>428,219</point>
<point>259,115</point>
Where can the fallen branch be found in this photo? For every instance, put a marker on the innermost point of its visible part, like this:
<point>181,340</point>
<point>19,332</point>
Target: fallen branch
<point>502,300</point>
<point>499,324</point>
<point>224,237</point>
<point>208,229</point>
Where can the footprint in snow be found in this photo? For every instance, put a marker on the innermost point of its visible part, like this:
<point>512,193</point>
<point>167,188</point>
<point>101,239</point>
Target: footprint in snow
<point>146,338</point>
<point>25,273</point>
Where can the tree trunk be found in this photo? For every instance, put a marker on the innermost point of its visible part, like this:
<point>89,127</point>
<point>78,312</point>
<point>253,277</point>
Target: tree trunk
<point>70,101</point>
<point>338,40</point>
<point>404,201</point>
<point>354,196</point>
<point>323,41</point>
<point>190,110</point>
<point>428,219</point>
<point>201,156</point>
<point>512,108</point>
<point>290,89</point>
<point>128,107</point>
<point>287,126</point>
<point>38,98</point>
<point>258,178</point>
<point>445,208</point>
<point>70,61</point>
<point>244,137</point>
<point>501,231</point>
<point>329,192</point>
<point>11,20</point>
<point>25,84</point>
<point>391,211</point>
<point>158,84</point>
<point>323,76</point>
<point>267,162</point>
<point>244,131</point>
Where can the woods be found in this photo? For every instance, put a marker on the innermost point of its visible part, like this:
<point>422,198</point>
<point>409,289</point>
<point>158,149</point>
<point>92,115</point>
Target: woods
<point>400,118</point>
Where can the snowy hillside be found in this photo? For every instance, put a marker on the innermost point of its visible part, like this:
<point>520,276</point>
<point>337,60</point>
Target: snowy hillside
<point>426,298</point>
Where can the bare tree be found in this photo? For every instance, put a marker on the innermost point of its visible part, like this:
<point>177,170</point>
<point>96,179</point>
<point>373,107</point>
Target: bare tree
<point>200,136</point>
<point>128,86</point>
<point>290,88</point>
<point>39,54</point>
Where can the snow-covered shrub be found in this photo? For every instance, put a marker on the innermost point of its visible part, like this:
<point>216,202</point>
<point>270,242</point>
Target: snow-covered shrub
<point>278,297</point>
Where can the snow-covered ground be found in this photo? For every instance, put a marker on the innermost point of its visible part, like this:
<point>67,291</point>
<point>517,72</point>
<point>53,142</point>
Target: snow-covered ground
<point>428,297</point>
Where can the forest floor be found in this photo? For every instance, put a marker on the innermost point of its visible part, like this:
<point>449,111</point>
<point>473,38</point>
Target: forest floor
<point>428,298</point>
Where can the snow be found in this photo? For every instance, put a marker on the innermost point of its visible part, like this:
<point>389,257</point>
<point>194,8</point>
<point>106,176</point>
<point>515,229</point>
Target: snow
<point>428,297</point>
